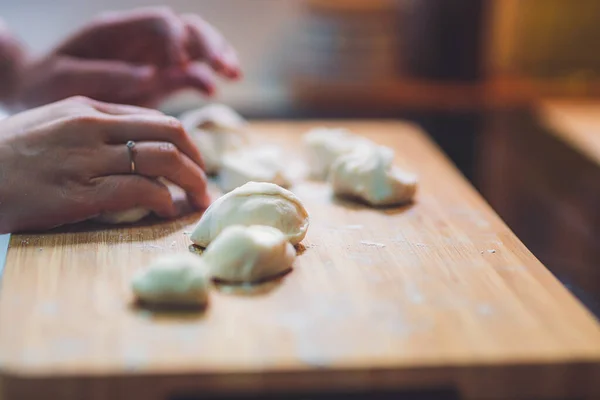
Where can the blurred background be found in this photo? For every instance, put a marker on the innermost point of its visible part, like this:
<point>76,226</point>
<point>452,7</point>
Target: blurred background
<point>507,88</point>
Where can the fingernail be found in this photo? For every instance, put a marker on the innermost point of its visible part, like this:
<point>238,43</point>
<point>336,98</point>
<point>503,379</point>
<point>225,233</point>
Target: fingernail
<point>210,91</point>
<point>236,74</point>
<point>205,201</point>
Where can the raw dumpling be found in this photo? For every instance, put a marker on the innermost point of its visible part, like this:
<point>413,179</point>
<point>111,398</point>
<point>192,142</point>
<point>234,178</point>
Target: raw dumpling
<point>368,174</point>
<point>263,164</point>
<point>249,254</point>
<point>255,203</point>
<point>123,217</point>
<point>324,145</point>
<point>215,129</point>
<point>214,118</point>
<point>173,280</point>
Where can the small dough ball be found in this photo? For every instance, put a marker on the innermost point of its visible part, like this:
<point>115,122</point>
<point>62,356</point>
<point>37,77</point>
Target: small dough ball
<point>324,145</point>
<point>214,145</point>
<point>213,117</point>
<point>215,129</point>
<point>255,203</point>
<point>368,174</point>
<point>123,217</point>
<point>263,164</point>
<point>249,254</point>
<point>173,280</point>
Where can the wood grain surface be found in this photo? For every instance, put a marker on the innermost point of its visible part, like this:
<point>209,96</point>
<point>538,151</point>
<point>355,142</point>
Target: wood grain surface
<point>438,294</point>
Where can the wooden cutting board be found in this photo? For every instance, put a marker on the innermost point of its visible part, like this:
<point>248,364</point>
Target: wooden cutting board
<point>436,295</point>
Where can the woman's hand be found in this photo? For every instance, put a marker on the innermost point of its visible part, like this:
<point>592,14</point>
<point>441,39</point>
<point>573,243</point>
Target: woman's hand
<point>67,162</point>
<point>136,57</point>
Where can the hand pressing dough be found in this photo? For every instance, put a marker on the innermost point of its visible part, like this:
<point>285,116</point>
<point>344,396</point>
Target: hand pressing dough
<point>173,280</point>
<point>368,174</point>
<point>255,203</point>
<point>123,217</point>
<point>249,254</point>
<point>215,129</point>
<point>263,164</point>
<point>324,145</point>
<point>138,213</point>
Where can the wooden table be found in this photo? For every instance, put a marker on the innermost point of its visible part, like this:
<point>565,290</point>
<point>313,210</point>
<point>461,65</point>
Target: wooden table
<point>437,295</point>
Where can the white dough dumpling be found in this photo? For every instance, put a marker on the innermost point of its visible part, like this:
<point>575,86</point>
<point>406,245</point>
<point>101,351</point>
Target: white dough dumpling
<point>324,145</point>
<point>262,164</point>
<point>368,174</point>
<point>173,280</point>
<point>249,254</point>
<point>255,203</point>
<point>215,129</point>
<point>213,117</point>
<point>123,217</point>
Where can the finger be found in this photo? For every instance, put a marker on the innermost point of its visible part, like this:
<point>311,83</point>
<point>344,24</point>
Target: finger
<point>205,43</point>
<point>230,59</point>
<point>160,160</point>
<point>175,36</point>
<point>199,76</point>
<point>123,192</point>
<point>120,109</point>
<point>152,128</point>
<point>196,76</point>
<point>104,79</point>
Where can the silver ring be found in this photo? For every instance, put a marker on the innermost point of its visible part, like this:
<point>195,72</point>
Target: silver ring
<point>130,146</point>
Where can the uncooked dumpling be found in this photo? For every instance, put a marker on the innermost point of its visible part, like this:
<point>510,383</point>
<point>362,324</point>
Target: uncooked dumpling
<point>263,164</point>
<point>123,217</point>
<point>255,203</point>
<point>249,254</point>
<point>173,280</point>
<point>368,174</point>
<point>324,145</point>
<point>215,129</point>
<point>213,117</point>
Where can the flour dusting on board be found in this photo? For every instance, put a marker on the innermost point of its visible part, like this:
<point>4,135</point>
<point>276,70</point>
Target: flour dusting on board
<point>364,259</point>
<point>372,244</point>
<point>412,292</point>
<point>485,309</point>
<point>148,246</point>
<point>48,309</point>
<point>352,227</point>
<point>69,348</point>
<point>134,356</point>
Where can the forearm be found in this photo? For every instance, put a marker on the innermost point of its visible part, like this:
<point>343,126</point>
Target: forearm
<point>12,63</point>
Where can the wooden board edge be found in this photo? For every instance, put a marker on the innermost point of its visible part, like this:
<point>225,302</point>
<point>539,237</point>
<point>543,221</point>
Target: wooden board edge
<point>574,379</point>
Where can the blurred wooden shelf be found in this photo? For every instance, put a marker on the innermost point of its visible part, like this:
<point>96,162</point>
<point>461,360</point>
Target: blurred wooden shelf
<point>575,122</point>
<point>411,94</point>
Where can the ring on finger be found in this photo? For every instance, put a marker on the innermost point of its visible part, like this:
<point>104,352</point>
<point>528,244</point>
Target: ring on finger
<point>130,150</point>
